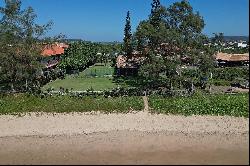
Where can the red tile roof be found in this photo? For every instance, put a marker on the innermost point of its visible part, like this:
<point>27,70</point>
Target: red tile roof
<point>232,57</point>
<point>53,50</point>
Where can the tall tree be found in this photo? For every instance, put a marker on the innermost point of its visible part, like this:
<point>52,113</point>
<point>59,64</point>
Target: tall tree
<point>155,16</point>
<point>20,45</point>
<point>171,34</point>
<point>127,46</point>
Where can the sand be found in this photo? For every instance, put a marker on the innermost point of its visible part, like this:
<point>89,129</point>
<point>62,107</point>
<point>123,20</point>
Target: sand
<point>134,138</point>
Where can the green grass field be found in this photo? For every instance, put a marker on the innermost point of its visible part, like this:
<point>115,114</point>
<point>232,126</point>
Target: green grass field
<point>99,71</point>
<point>82,84</point>
<point>94,77</point>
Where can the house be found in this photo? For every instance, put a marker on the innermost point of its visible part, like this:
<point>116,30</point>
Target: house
<point>224,59</point>
<point>242,44</point>
<point>128,67</point>
<point>51,54</point>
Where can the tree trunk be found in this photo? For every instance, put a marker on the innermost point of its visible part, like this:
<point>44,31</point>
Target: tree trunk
<point>192,87</point>
<point>12,87</point>
<point>26,84</point>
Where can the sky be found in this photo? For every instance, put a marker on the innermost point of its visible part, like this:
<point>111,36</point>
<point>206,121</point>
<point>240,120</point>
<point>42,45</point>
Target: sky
<point>104,20</point>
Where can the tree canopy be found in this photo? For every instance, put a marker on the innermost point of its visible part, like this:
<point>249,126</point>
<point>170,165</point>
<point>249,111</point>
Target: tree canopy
<point>170,35</point>
<point>127,47</point>
<point>20,44</point>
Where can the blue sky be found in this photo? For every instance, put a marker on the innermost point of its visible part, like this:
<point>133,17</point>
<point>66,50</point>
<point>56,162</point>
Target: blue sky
<point>103,20</point>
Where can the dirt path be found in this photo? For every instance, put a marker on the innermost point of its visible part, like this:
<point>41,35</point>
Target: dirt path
<point>146,107</point>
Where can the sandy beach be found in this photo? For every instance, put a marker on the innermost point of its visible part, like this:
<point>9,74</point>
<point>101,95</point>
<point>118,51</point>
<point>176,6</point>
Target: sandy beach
<point>134,138</point>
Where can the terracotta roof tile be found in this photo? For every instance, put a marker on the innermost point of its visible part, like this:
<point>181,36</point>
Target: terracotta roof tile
<point>232,57</point>
<point>52,50</point>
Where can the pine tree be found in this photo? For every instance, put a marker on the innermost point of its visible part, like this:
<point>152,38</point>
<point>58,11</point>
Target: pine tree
<point>155,6</point>
<point>155,16</point>
<point>127,46</point>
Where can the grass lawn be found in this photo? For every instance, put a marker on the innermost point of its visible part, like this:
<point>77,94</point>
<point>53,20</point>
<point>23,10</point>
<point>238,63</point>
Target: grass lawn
<point>86,79</point>
<point>21,103</point>
<point>98,70</point>
<point>82,83</point>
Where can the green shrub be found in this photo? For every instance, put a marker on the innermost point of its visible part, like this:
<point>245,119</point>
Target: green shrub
<point>231,73</point>
<point>221,83</point>
<point>233,105</point>
<point>22,103</point>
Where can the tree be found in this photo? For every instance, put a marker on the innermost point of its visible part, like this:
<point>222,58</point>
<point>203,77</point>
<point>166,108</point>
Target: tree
<point>156,13</point>
<point>79,55</point>
<point>149,32</point>
<point>20,45</point>
<point>218,40</point>
<point>172,33</point>
<point>127,48</point>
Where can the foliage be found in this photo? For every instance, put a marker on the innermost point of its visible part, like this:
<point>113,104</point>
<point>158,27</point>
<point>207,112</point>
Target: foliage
<point>82,54</point>
<point>233,105</point>
<point>108,52</point>
<point>230,76</point>
<point>231,73</point>
<point>19,45</point>
<point>218,38</point>
<point>79,55</point>
<point>236,50</point>
<point>127,48</point>
<point>220,76</point>
<point>171,34</point>
<point>152,67</point>
<point>17,104</point>
<point>219,82</point>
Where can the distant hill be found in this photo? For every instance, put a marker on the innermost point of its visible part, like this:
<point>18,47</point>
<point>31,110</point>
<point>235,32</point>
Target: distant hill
<point>236,38</point>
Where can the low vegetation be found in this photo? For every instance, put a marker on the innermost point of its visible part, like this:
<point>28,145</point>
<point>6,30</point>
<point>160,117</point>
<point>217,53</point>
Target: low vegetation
<point>23,103</point>
<point>233,105</point>
<point>216,105</point>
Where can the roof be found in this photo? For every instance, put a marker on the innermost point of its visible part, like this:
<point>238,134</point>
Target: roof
<point>63,45</point>
<point>232,57</point>
<point>55,49</point>
<point>123,62</point>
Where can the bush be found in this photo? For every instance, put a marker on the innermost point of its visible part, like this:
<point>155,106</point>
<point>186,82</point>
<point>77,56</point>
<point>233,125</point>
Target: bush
<point>233,105</point>
<point>221,83</point>
<point>23,103</point>
<point>231,73</point>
